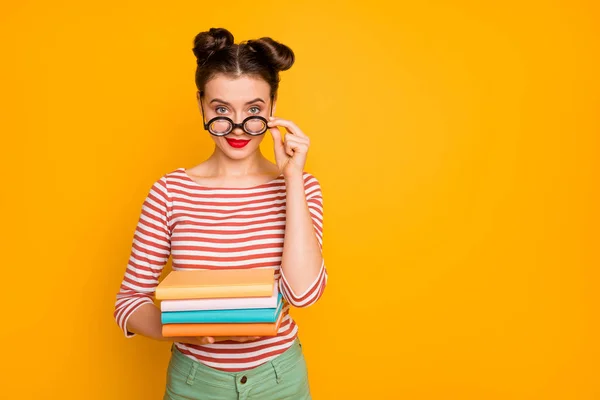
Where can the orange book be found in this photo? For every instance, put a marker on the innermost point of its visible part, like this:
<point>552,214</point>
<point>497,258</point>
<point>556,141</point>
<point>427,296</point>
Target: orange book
<point>221,283</point>
<point>222,329</point>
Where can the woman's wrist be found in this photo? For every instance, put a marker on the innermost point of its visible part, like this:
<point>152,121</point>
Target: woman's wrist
<point>294,176</point>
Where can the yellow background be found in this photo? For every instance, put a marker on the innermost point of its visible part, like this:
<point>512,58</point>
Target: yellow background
<point>457,144</point>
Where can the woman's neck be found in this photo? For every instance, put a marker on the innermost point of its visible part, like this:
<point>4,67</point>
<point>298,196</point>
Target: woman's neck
<point>219,165</point>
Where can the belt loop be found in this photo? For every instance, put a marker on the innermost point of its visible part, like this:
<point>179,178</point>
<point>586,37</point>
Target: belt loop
<point>192,374</point>
<point>277,378</point>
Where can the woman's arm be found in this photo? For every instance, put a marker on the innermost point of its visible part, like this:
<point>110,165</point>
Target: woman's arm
<point>150,251</point>
<point>303,272</point>
<point>146,321</point>
<point>135,312</point>
<point>302,260</point>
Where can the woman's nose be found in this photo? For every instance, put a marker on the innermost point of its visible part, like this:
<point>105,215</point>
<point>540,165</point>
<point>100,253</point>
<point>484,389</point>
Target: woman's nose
<point>238,131</point>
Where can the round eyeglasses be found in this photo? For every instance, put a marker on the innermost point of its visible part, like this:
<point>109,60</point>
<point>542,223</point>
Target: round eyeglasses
<point>221,126</point>
<point>254,125</point>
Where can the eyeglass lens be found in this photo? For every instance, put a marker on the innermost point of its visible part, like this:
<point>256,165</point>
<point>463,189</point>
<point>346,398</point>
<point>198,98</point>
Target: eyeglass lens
<point>251,126</point>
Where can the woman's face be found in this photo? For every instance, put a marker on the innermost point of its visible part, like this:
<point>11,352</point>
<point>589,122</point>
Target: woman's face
<point>236,98</point>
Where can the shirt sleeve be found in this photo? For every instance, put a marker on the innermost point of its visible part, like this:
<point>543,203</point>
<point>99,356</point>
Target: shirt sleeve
<point>150,252</point>
<point>314,199</point>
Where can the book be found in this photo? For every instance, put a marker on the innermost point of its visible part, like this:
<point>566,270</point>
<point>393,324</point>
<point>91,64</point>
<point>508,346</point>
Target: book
<point>221,329</point>
<point>219,283</point>
<point>228,303</point>
<point>243,315</point>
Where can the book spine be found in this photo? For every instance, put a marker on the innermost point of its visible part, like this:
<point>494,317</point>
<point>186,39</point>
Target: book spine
<point>235,316</point>
<point>175,330</point>
<point>217,304</point>
<point>213,292</point>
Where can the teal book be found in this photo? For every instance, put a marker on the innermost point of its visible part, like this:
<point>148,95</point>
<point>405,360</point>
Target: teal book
<point>234,316</point>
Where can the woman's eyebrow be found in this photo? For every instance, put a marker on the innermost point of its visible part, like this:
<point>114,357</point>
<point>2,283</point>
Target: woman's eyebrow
<point>258,99</point>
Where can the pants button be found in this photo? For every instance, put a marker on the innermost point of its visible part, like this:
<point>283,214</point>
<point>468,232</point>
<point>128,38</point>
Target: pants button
<point>244,379</point>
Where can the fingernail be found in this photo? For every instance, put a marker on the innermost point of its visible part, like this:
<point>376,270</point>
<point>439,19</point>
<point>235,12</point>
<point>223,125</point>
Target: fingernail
<point>271,117</point>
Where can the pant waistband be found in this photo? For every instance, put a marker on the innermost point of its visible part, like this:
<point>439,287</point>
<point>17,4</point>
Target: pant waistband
<point>198,370</point>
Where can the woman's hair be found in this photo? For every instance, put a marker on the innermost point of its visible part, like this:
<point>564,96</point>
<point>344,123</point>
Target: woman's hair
<point>217,54</point>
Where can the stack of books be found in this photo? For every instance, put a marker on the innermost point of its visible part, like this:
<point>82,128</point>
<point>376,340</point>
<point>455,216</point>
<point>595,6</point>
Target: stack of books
<point>226,302</point>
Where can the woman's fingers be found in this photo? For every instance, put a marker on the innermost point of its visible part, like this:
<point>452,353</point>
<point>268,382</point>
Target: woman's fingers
<point>206,339</point>
<point>289,125</point>
<point>236,338</point>
<point>248,338</point>
<point>289,149</point>
<point>295,144</point>
<point>278,144</point>
<point>202,340</point>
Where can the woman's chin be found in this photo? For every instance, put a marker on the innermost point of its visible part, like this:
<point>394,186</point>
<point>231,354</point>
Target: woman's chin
<point>237,154</point>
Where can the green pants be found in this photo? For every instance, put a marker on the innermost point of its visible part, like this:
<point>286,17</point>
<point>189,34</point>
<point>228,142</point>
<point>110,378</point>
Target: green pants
<point>284,377</point>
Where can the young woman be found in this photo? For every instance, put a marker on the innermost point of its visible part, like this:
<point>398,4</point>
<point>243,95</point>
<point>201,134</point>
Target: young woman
<point>235,209</point>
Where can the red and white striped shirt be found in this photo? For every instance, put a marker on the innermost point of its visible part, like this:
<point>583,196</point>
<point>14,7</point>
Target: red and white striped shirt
<point>204,227</point>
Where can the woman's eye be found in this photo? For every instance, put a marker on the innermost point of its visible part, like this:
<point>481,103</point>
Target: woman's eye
<point>257,110</point>
<point>218,109</point>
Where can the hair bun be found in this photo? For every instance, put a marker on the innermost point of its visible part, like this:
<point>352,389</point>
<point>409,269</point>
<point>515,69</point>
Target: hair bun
<point>278,55</point>
<point>209,42</point>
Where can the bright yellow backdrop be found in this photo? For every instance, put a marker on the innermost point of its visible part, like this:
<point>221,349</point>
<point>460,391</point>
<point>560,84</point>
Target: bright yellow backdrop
<point>457,144</point>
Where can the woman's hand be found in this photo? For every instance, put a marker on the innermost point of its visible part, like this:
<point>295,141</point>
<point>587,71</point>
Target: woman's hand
<point>241,339</point>
<point>199,341</point>
<point>291,154</point>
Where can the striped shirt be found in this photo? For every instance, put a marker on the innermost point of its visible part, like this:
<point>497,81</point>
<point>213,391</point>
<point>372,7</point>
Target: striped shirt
<point>211,228</point>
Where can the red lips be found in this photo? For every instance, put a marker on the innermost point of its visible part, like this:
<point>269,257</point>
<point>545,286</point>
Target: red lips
<point>236,143</point>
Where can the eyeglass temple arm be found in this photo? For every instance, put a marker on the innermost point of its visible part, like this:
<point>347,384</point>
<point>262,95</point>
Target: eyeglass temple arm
<point>202,111</point>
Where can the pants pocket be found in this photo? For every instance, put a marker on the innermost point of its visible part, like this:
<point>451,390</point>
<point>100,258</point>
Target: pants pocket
<point>193,385</point>
<point>291,383</point>
<point>177,388</point>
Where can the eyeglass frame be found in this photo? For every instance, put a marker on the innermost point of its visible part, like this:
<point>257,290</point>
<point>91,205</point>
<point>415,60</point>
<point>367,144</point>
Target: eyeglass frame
<point>233,124</point>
